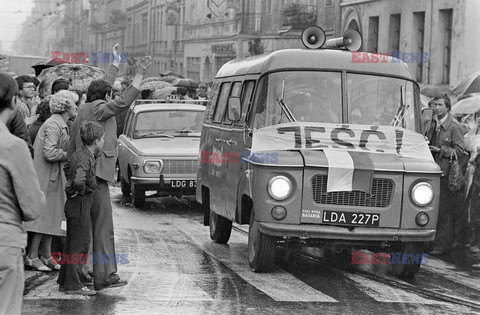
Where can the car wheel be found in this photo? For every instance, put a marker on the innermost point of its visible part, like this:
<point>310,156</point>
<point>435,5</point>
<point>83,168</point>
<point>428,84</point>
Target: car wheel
<point>220,228</point>
<point>261,248</point>
<point>138,196</point>
<point>124,186</point>
<point>407,261</point>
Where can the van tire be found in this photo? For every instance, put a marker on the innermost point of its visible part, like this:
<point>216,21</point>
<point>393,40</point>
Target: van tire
<point>408,271</point>
<point>138,196</point>
<point>261,247</point>
<point>220,228</point>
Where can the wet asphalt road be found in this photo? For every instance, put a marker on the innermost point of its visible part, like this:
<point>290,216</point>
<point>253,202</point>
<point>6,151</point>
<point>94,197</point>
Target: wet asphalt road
<point>174,268</point>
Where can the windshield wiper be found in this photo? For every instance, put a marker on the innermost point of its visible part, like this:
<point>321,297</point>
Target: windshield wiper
<point>402,110</point>
<point>158,133</point>
<point>283,106</point>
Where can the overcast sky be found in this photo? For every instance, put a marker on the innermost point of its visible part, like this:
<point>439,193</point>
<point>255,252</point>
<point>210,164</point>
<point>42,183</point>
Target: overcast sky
<point>12,14</point>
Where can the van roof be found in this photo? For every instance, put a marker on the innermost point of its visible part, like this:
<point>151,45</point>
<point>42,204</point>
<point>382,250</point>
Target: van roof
<point>316,59</point>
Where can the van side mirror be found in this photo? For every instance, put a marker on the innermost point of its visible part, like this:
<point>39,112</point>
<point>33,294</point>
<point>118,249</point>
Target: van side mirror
<point>427,122</point>
<point>234,109</point>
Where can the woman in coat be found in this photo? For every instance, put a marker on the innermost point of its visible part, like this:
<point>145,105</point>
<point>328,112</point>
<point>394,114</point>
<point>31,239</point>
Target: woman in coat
<point>51,147</point>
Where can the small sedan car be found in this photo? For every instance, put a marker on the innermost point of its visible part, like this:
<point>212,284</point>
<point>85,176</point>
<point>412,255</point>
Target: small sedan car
<point>159,149</point>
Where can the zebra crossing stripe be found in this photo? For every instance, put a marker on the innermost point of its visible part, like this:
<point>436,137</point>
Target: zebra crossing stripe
<point>278,284</point>
<point>387,294</point>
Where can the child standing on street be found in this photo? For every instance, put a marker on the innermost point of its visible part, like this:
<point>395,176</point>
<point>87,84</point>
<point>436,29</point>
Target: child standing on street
<point>81,184</point>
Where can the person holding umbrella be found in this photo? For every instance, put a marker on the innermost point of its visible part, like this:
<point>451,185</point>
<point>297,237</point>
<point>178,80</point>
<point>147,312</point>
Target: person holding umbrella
<point>102,108</point>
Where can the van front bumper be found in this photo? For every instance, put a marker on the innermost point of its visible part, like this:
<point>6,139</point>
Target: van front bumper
<point>344,233</point>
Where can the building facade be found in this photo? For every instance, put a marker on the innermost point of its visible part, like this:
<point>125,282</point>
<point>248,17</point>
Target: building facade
<point>444,32</point>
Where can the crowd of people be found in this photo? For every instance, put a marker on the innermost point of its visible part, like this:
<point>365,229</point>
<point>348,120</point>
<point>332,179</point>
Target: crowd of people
<point>57,155</point>
<point>458,226</point>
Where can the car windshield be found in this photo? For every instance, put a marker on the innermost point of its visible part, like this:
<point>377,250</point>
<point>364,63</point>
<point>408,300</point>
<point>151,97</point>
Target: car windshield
<point>317,97</point>
<point>168,123</point>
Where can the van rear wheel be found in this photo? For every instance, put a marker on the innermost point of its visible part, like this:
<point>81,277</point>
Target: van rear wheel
<point>407,261</point>
<point>220,228</point>
<point>261,248</point>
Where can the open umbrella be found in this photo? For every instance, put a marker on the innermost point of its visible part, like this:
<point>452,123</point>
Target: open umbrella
<point>154,85</point>
<point>38,67</point>
<point>188,83</point>
<point>162,94</point>
<point>80,75</point>
<point>150,79</point>
<point>168,78</point>
<point>171,73</point>
<point>469,105</point>
<point>468,85</point>
<point>434,90</point>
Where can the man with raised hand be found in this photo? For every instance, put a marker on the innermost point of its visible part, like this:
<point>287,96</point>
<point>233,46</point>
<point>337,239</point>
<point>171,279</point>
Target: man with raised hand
<point>101,107</point>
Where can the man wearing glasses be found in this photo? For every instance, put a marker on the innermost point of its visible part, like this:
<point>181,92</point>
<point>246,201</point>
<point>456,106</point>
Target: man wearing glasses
<point>25,101</point>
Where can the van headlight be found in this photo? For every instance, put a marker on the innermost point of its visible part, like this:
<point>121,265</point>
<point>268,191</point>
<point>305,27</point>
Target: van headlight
<point>152,166</point>
<point>422,194</point>
<point>280,187</point>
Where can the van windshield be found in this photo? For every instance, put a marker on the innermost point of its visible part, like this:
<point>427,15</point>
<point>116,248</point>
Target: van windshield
<point>314,96</point>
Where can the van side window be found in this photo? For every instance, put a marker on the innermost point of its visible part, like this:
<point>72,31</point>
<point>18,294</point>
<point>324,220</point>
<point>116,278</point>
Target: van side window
<point>236,91</point>
<point>260,110</point>
<point>222,102</point>
<point>211,105</point>
<point>246,97</point>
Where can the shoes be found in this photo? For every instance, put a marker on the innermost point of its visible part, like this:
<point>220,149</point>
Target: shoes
<point>50,263</point>
<point>36,264</point>
<point>119,283</point>
<point>82,291</point>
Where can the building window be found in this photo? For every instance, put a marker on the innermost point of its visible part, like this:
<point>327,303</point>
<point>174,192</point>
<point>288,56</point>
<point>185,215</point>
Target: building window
<point>193,68</point>
<point>144,27</point>
<point>394,35</point>
<point>445,25</point>
<point>418,38</point>
<point>373,34</point>
<point>268,6</point>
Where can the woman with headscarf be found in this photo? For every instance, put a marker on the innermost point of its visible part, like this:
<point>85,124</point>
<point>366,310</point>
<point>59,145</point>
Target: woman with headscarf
<point>51,147</point>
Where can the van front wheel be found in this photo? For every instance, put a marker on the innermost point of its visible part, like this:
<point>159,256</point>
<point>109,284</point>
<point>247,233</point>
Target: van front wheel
<point>261,248</point>
<point>220,228</point>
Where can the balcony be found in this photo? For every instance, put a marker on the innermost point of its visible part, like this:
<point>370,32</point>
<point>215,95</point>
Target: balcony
<point>299,17</point>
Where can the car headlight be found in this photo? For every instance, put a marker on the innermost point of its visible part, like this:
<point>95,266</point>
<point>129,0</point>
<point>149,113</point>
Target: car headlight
<point>280,187</point>
<point>152,166</point>
<point>422,194</point>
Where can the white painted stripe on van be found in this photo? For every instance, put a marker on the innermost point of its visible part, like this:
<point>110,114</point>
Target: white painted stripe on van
<point>278,284</point>
<point>387,294</point>
<point>340,170</point>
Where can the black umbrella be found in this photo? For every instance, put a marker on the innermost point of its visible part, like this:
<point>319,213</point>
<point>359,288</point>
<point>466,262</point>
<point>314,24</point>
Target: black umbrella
<point>38,67</point>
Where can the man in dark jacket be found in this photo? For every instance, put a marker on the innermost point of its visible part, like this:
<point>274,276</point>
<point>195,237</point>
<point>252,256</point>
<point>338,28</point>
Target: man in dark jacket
<point>447,141</point>
<point>102,108</point>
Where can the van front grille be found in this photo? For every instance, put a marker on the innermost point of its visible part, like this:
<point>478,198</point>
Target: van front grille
<point>381,196</point>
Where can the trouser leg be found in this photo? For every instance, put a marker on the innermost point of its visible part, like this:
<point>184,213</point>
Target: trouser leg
<point>103,237</point>
<point>11,280</point>
<point>77,211</point>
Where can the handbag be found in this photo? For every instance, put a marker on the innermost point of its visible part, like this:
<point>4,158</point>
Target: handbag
<point>456,181</point>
